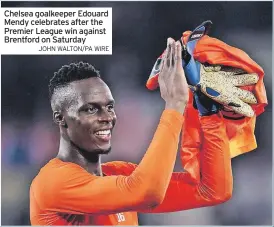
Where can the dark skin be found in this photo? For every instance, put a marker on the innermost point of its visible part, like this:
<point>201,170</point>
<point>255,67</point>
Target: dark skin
<point>87,113</point>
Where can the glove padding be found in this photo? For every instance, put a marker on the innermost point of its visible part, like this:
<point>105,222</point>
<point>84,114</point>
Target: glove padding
<point>220,84</point>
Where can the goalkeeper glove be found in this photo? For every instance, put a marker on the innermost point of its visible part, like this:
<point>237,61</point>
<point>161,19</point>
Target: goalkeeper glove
<point>216,82</point>
<point>213,86</point>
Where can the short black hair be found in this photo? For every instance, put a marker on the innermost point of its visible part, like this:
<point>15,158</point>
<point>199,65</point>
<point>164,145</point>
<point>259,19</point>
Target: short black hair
<point>70,73</point>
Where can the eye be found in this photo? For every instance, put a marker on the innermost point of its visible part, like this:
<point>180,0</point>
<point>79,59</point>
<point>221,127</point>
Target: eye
<point>91,110</point>
<point>110,107</point>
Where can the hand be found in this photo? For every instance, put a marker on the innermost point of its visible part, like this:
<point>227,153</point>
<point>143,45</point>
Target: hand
<point>172,81</point>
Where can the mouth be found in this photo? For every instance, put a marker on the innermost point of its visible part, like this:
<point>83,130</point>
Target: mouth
<point>103,135</point>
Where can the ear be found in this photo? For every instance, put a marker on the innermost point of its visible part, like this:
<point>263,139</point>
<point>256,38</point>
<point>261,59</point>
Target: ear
<point>59,119</point>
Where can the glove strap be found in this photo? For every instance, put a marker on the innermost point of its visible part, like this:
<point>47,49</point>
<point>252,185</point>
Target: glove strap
<point>205,105</point>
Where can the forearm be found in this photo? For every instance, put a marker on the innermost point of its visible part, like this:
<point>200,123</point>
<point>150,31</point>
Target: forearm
<point>215,184</point>
<point>190,154</point>
<point>216,174</point>
<point>160,156</point>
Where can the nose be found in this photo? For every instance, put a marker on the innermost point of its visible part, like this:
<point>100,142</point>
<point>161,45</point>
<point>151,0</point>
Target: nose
<point>105,116</point>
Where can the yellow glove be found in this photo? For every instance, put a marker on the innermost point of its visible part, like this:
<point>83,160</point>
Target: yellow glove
<point>220,84</point>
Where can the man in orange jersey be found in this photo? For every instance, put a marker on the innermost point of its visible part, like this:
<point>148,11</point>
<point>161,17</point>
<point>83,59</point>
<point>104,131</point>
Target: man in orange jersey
<point>76,189</point>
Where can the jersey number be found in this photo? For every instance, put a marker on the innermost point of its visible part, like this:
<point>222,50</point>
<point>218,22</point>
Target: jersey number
<point>121,217</point>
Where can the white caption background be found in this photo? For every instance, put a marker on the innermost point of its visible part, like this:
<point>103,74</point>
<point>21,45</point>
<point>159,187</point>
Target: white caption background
<point>60,31</point>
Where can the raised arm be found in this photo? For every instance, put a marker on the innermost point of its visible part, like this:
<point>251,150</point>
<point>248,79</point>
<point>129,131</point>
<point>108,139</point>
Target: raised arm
<point>215,184</point>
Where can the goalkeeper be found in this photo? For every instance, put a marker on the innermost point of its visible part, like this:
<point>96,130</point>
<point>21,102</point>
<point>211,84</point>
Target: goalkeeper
<point>76,189</point>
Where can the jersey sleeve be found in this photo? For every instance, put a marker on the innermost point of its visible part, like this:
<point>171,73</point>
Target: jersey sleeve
<point>191,142</point>
<point>215,184</point>
<point>72,189</point>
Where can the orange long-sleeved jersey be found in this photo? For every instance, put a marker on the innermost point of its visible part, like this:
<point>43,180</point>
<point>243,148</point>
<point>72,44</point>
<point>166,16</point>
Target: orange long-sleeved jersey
<point>66,194</point>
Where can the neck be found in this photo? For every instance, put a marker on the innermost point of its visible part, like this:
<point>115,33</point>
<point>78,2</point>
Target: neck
<point>69,152</point>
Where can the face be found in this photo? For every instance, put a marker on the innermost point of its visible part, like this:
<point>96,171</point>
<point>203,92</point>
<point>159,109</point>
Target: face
<point>90,117</point>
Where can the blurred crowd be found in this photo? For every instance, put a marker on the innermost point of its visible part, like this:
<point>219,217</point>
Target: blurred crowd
<point>30,139</point>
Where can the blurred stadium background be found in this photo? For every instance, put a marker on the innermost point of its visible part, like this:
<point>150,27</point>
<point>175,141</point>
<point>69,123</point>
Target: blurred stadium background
<point>30,139</point>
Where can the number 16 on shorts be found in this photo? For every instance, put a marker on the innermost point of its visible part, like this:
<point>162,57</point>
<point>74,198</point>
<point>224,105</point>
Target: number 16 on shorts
<point>120,217</point>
